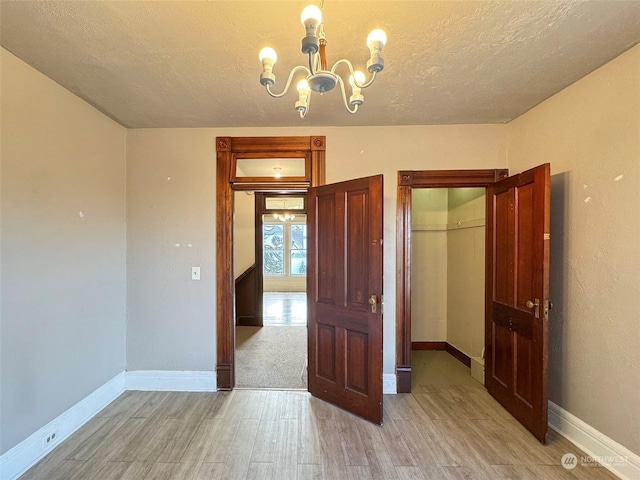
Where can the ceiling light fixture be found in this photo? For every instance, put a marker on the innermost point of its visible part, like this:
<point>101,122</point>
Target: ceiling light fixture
<point>284,218</point>
<point>317,77</point>
<point>278,173</point>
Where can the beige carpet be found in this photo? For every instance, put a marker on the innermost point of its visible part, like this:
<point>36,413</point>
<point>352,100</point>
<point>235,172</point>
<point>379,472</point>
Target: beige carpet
<point>271,357</point>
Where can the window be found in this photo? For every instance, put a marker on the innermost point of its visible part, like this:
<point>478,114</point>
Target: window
<point>251,167</point>
<point>273,248</point>
<point>298,252</point>
<point>284,248</point>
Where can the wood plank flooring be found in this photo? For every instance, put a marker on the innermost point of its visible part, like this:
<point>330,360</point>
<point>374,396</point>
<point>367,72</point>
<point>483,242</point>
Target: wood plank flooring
<point>284,308</point>
<point>436,432</point>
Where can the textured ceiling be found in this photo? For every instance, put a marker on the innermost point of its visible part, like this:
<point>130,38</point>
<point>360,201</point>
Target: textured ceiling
<point>195,63</point>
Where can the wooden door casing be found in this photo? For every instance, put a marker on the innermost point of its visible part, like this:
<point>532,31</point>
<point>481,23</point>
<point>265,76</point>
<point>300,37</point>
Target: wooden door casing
<point>517,272</point>
<point>226,149</point>
<point>345,271</point>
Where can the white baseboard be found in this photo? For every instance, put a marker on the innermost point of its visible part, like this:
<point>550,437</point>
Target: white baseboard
<point>174,381</point>
<point>389,385</point>
<point>27,453</point>
<point>610,454</point>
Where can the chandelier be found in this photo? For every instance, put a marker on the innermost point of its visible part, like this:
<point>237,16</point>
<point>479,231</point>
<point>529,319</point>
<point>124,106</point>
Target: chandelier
<point>317,76</point>
<point>284,217</point>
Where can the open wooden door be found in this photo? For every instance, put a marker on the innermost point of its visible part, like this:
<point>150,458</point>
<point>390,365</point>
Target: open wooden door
<point>344,292</point>
<point>517,296</point>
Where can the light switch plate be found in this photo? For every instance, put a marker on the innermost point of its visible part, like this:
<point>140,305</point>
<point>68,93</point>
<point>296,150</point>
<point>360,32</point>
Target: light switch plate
<point>195,273</point>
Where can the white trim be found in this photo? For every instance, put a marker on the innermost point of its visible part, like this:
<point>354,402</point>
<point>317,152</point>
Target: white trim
<point>174,381</point>
<point>27,453</point>
<point>389,383</point>
<point>594,443</point>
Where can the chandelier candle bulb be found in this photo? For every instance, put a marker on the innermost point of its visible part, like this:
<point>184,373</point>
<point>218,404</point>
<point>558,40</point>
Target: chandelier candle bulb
<point>376,41</point>
<point>268,58</point>
<point>304,91</point>
<point>311,18</point>
<point>356,80</point>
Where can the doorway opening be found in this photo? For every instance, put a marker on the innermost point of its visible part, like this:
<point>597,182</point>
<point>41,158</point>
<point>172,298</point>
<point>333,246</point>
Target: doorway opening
<point>270,295</point>
<point>344,272</point>
<point>408,181</point>
<point>247,164</point>
<point>448,279</point>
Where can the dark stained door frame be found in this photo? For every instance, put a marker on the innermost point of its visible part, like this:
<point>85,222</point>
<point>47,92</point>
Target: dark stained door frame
<point>313,148</point>
<point>344,292</point>
<point>407,180</point>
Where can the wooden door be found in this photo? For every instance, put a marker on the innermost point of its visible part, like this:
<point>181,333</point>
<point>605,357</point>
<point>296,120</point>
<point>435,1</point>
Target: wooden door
<point>344,292</point>
<point>517,296</point>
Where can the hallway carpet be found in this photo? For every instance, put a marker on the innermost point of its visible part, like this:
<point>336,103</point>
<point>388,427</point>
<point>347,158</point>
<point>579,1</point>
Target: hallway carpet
<point>271,357</point>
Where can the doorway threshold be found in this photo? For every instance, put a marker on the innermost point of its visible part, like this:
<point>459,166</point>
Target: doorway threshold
<point>274,389</point>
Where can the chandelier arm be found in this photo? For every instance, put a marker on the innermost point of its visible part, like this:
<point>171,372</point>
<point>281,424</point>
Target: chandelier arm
<point>344,97</point>
<point>286,88</point>
<point>355,81</point>
<point>365,85</point>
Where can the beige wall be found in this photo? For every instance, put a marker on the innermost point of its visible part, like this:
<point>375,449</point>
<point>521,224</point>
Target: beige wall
<point>465,269</point>
<point>171,200</point>
<point>63,250</point>
<point>171,318</point>
<point>429,264</point>
<point>447,267</point>
<point>244,240</point>
<point>590,133</point>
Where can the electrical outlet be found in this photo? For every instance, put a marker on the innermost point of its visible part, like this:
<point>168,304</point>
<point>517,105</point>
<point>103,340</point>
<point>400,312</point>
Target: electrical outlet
<point>49,438</point>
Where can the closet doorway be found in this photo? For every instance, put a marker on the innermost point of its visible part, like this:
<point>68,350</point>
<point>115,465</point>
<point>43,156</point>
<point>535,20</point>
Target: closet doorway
<point>516,284</point>
<point>448,278</point>
<point>407,182</point>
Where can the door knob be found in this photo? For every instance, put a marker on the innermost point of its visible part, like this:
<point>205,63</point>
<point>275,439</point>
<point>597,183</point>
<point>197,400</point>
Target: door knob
<point>536,304</point>
<point>373,301</point>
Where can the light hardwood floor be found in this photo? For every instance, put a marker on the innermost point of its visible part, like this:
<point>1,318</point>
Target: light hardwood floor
<point>284,308</point>
<point>440,431</point>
